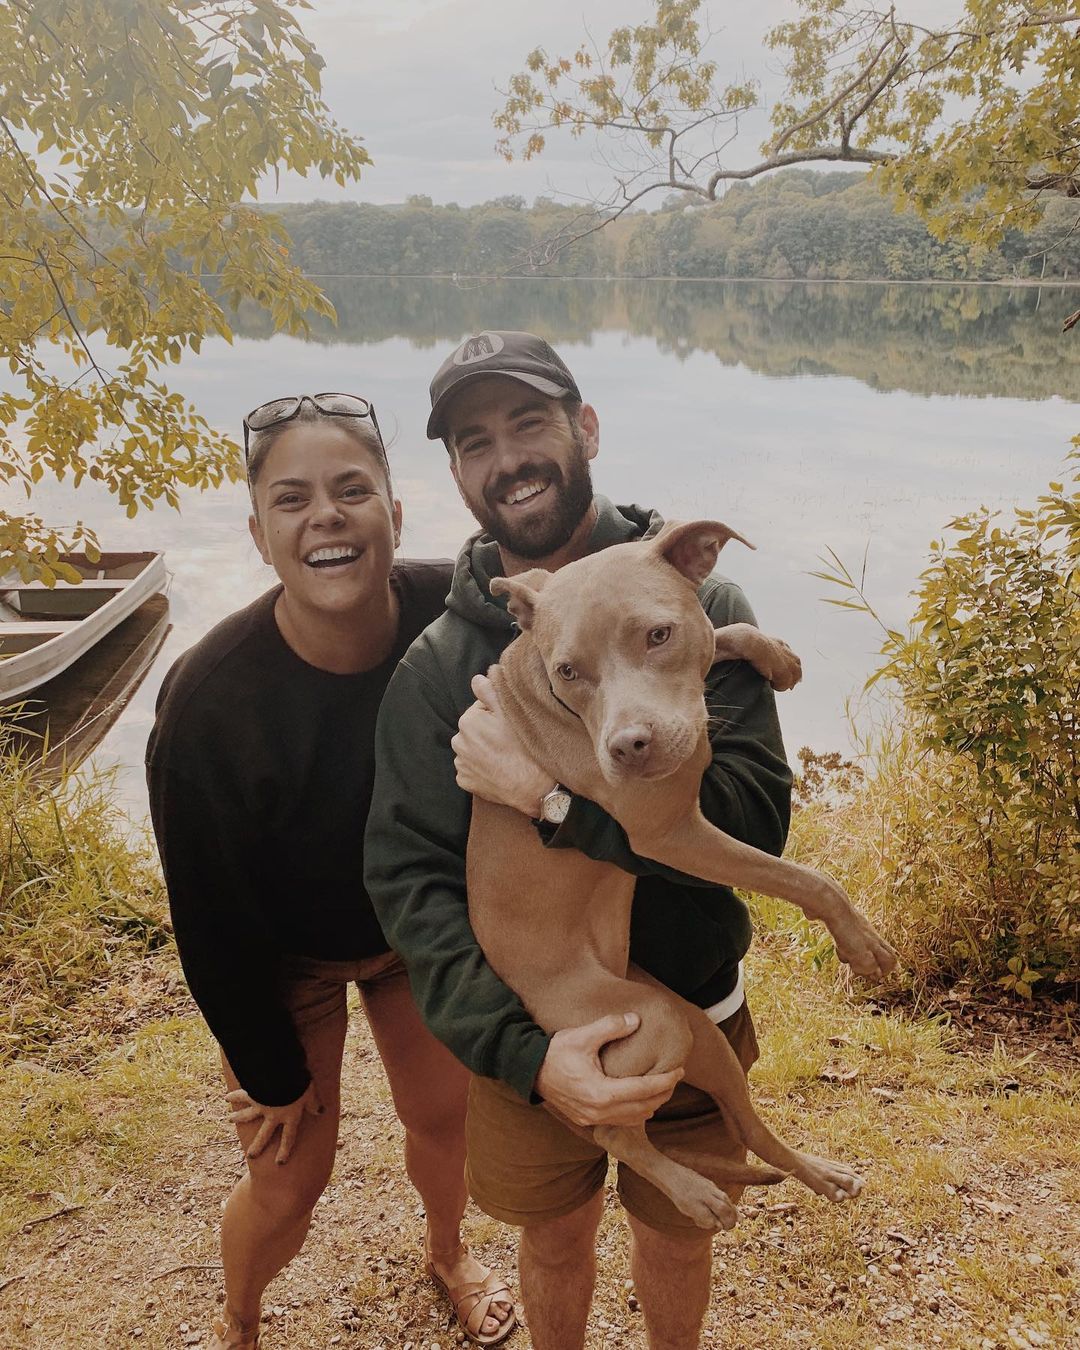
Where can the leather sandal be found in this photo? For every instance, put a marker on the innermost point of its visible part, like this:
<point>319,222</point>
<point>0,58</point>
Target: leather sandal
<point>224,1337</point>
<point>472,1302</point>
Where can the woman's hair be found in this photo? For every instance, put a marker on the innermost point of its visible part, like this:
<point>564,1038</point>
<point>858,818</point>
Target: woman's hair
<point>361,429</point>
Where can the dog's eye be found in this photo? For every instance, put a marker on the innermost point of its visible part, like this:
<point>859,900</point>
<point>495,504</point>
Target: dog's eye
<point>658,636</point>
<point>565,671</point>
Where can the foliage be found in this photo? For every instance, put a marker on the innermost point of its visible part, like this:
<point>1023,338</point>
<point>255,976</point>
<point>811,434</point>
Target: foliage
<point>131,135</point>
<point>797,224</point>
<point>980,797</point>
<point>77,895</point>
<point>972,119</point>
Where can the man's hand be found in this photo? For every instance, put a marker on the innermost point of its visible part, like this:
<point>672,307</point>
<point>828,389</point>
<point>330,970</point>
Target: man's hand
<point>490,760</point>
<point>573,1081</point>
<point>284,1118</point>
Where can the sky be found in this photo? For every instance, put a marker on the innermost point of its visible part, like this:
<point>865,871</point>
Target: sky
<point>419,79</point>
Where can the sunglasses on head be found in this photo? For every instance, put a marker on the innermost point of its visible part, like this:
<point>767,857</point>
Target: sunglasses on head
<point>279,410</point>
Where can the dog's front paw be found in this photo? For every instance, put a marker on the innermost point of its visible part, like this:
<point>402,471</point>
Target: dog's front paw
<point>771,657</point>
<point>861,946</point>
<point>782,669</point>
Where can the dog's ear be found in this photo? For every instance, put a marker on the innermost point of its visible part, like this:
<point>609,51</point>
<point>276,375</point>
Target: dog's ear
<point>692,548</point>
<point>522,593</point>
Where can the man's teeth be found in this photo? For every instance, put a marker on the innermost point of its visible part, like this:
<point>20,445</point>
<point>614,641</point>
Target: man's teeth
<point>523,493</point>
<point>338,554</point>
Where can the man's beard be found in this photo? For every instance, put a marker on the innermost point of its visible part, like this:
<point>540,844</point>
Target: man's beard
<point>570,493</point>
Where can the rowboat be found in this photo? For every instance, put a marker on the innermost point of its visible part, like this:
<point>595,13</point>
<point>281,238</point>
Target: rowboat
<point>45,629</point>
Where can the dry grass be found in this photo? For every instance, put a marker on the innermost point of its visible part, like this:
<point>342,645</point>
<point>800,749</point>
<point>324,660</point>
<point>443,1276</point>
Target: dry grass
<point>78,895</point>
<point>967,1235</point>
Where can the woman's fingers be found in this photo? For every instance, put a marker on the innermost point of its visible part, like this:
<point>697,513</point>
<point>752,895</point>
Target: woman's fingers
<point>243,1115</point>
<point>265,1134</point>
<point>288,1138</point>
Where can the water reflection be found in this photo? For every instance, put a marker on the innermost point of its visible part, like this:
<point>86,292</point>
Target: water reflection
<point>807,416</point>
<point>986,341</point>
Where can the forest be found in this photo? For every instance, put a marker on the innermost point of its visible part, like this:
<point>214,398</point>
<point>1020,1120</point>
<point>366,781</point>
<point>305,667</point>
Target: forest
<point>796,224</point>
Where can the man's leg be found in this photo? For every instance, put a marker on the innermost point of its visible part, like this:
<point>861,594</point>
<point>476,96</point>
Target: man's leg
<point>671,1278</point>
<point>557,1262</point>
<point>671,1258</point>
<point>430,1088</point>
<point>527,1168</point>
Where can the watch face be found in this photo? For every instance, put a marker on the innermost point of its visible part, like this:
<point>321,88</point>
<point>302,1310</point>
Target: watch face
<point>556,806</point>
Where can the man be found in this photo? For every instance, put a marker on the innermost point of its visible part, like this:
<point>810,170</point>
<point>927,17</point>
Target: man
<point>520,439</point>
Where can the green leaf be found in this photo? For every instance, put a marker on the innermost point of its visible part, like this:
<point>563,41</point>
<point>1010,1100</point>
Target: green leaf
<point>219,78</point>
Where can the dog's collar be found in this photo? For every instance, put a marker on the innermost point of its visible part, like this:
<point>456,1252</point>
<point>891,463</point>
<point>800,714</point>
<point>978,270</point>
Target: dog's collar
<point>561,704</point>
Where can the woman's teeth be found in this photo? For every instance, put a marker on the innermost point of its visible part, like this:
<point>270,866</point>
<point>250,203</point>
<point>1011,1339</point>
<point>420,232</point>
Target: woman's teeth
<point>326,557</point>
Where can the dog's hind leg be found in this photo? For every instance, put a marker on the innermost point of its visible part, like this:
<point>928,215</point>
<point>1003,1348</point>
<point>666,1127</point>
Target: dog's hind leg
<point>695,1195</point>
<point>712,1066</point>
<point>726,1172</point>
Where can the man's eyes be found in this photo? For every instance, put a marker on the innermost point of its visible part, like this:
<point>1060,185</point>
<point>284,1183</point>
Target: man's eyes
<point>527,424</point>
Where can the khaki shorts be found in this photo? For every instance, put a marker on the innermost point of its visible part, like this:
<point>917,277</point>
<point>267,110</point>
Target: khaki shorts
<point>525,1167</point>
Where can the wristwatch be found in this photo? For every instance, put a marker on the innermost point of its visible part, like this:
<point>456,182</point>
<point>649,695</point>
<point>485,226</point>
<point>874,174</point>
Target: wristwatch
<point>554,806</point>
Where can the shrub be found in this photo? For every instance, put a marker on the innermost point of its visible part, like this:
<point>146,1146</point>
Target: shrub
<point>965,839</point>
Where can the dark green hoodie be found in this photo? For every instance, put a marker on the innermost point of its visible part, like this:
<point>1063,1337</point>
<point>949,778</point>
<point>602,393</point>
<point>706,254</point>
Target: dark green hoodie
<point>689,934</point>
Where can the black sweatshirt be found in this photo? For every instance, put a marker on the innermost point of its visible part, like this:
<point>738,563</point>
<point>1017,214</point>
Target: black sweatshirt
<point>260,769</point>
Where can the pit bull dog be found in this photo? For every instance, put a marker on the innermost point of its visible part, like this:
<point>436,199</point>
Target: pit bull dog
<point>605,687</point>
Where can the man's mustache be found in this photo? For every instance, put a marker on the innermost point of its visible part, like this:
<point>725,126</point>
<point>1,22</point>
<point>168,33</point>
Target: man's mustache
<point>503,486</point>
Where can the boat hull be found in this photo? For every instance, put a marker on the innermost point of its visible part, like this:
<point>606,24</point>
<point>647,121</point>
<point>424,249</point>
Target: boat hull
<point>44,630</point>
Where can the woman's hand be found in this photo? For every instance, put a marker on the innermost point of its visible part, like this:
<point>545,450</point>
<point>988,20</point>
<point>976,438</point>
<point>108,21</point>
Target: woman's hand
<point>283,1118</point>
<point>491,761</point>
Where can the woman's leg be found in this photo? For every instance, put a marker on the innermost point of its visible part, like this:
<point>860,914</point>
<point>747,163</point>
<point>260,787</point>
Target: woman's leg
<point>430,1089</point>
<point>269,1211</point>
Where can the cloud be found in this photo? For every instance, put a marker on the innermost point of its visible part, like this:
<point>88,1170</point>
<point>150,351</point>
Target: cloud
<point>418,80</point>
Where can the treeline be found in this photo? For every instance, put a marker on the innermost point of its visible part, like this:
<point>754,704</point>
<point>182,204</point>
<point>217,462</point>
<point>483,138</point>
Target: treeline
<point>796,224</point>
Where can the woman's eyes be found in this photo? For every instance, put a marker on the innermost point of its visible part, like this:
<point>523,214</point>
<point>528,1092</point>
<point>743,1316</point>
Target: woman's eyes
<point>354,492</point>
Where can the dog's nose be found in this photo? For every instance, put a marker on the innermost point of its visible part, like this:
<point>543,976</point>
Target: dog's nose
<point>630,746</point>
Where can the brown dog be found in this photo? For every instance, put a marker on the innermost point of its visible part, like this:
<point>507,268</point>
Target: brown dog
<point>605,687</point>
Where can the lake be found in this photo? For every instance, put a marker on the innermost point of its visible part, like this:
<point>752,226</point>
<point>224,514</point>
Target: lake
<point>853,417</point>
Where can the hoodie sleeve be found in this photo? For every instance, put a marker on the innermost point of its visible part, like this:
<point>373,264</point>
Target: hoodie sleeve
<point>745,791</point>
<point>414,853</point>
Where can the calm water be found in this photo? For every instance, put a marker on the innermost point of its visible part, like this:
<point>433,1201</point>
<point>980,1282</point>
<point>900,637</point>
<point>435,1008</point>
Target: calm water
<point>855,418</point>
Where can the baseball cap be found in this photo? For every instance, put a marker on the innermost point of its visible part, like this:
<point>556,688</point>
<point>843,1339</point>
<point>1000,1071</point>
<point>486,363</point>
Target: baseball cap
<point>522,356</point>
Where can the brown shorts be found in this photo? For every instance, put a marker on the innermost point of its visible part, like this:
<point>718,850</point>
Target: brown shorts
<point>316,991</point>
<point>525,1167</point>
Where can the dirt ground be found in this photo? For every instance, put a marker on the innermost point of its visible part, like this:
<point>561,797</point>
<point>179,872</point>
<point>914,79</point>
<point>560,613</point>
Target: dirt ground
<point>117,1161</point>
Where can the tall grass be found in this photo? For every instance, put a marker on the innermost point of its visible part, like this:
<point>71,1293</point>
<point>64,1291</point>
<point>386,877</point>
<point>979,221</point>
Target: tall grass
<point>77,894</point>
<point>959,891</point>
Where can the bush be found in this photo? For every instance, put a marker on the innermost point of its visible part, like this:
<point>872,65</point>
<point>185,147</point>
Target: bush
<point>965,839</point>
<point>77,893</point>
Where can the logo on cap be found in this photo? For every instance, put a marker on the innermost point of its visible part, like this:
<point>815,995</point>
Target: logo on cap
<point>478,348</point>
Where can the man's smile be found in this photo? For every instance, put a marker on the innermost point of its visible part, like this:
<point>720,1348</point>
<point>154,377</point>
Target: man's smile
<point>526,492</point>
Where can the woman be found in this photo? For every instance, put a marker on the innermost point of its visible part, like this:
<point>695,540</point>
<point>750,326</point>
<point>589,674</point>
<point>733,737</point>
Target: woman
<point>260,769</point>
